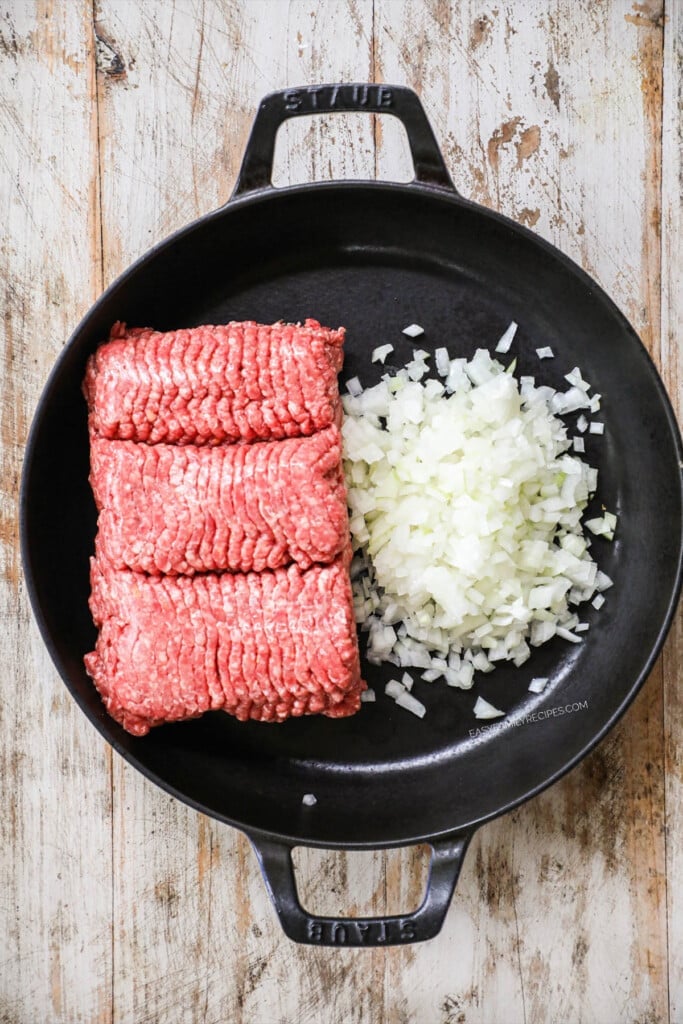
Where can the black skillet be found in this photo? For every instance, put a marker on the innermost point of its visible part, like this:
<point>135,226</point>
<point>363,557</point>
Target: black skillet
<point>376,257</point>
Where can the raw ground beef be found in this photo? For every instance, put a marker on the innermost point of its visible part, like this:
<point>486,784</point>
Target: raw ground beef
<point>265,646</point>
<point>186,509</point>
<point>239,381</point>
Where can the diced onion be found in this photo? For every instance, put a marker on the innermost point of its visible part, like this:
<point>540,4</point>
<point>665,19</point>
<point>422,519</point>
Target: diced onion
<point>465,501</point>
<point>595,427</point>
<point>394,688</point>
<point>538,684</point>
<point>410,703</point>
<point>368,696</point>
<point>381,353</point>
<point>482,709</point>
<point>309,800</point>
<point>545,353</point>
<point>413,330</point>
<point>506,340</point>
<point>442,362</point>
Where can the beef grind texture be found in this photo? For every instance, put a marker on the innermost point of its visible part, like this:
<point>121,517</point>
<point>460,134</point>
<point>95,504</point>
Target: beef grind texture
<point>264,646</point>
<point>184,509</point>
<point>221,571</point>
<point>202,385</point>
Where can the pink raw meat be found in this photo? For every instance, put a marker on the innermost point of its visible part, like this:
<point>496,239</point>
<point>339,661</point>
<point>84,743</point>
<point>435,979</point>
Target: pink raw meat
<point>265,646</point>
<point>186,509</point>
<point>203,385</point>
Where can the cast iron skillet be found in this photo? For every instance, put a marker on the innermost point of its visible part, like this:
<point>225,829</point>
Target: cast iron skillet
<point>375,257</point>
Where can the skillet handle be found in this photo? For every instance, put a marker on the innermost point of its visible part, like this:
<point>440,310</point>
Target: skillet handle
<point>257,165</point>
<point>275,859</point>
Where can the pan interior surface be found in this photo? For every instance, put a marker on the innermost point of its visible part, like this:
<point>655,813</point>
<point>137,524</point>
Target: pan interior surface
<point>376,258</point>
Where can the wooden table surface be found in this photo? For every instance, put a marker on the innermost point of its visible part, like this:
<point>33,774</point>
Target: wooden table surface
<point>122,121</point>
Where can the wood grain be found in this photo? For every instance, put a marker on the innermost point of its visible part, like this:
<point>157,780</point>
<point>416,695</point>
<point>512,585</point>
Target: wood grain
<point>55,956</point>
<point>672,369</point>
<point>122,122</point>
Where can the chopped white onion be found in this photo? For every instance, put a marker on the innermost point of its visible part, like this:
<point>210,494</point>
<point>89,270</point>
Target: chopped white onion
<point>407,680</point>
<point>309,800</point>
<point>465,501</point>
<point>506,340</point>
<point>602,581</point>
<point>582,424</point>
<point>380,354</point>
<point>598,601</point>
<point>578,444</point>
<point>482,709</point>
<point>545,353</point>
<point>574,377</point>
<point>567,634</point>
<point>410,703</point>
<point>368,696</point>
<point>354,387</point>
<point>538,684</point>
<point>413,330</point>
<point>442,362</point>
<point>394,688</point>
<point>596,427</point>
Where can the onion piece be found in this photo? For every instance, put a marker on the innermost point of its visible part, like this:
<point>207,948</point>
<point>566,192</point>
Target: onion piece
<point>482,709</point>
<point>380,354</point>
<point>410,703</point>
<point>442,362</point>
<point>538,684</point>
<point>507,338</point>
<point>413,330</point>
<point>545,353</point>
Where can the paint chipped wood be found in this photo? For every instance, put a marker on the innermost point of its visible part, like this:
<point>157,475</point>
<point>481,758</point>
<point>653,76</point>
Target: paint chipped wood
<point>122,122</point>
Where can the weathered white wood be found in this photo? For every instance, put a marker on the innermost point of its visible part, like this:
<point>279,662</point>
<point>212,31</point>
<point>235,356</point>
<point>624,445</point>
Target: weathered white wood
<point>550,113</point>
<point>672,368</point>
<point>55,829</point>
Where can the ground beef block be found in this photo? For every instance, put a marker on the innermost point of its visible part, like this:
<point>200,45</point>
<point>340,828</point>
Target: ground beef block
<point>239,381</point>
<point>265,646</point>
<point>171,509</point>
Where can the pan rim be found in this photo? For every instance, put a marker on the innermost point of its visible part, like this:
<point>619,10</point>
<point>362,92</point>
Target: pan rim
<point>272,194</point>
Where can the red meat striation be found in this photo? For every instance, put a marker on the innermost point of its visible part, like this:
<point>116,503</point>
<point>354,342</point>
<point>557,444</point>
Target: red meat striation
<point>264,646</point>
<point>240,381</point>
<point>180,510</point>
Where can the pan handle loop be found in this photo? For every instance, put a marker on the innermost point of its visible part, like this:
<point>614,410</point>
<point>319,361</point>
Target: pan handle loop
<point>257,165</point>
<point>275,859</point>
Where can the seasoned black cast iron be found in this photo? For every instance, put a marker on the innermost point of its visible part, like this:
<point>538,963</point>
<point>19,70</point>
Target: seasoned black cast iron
<point>375,257</point>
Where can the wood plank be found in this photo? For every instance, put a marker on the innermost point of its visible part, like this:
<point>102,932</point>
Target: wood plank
<point>672,368</point>
<point>560,912</point>
<point>55,960</point>
<point>195,935</point>
<point>551,115</point>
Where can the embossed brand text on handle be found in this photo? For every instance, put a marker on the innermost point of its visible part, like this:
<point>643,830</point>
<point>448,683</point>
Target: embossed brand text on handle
<point>340,97</point>
<point>358,933</point>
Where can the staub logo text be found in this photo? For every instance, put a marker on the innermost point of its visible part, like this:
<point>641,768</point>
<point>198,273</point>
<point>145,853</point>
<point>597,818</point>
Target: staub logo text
<point>341,97</point>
